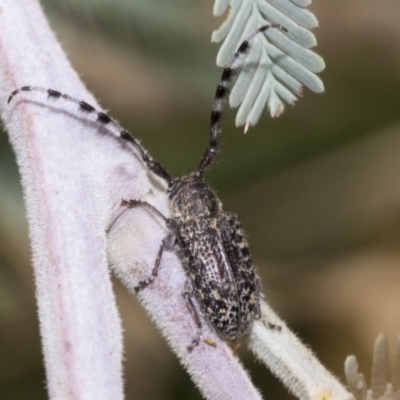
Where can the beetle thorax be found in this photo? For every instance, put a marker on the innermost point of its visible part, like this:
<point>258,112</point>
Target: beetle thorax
<point>191,198</point>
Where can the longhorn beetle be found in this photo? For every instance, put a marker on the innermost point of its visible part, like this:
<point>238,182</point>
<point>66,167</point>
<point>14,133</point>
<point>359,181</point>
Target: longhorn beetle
<point>210,242</point>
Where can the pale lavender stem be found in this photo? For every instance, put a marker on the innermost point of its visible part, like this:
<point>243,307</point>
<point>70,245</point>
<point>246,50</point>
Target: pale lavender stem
<point>67,198</point>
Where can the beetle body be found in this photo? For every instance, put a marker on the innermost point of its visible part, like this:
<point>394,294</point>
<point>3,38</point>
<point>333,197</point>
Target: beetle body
<point>216,257</point>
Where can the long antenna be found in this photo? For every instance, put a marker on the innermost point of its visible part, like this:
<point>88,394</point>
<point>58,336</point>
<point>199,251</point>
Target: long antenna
<point>222,90</point>
<point>102,119</point>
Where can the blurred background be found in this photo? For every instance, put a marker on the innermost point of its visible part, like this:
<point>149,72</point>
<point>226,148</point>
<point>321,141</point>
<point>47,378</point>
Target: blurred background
<point>317,190</point>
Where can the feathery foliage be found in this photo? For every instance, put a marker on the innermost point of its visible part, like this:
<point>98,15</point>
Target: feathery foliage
<point>279,63</point>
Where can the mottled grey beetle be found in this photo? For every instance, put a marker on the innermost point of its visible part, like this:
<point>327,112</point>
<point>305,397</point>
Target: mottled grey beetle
<point>211,242</point>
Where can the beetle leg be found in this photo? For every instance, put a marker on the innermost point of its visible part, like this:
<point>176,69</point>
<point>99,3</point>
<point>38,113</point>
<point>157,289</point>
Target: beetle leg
<point>139,203</point>
<point>167,243</point>
<point>259,317</point>
<point>188,296</point>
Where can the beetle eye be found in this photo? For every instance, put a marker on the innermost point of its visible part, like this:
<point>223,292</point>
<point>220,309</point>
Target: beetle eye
<point>171,185</point>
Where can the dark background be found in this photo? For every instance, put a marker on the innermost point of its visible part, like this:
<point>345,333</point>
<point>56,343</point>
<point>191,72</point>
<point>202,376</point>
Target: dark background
<point>317,190</point>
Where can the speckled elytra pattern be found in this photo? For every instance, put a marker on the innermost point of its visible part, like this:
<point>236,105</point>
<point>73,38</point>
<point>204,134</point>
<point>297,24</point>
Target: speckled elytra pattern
<point>216,257</point>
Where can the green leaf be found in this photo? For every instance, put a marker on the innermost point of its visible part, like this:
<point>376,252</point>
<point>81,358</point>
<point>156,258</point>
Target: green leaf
<point>279,63</point>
